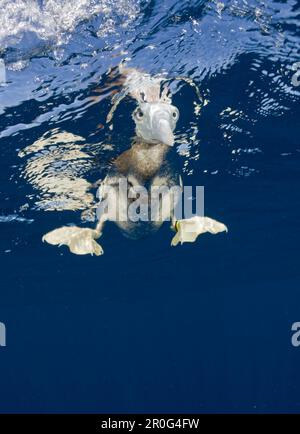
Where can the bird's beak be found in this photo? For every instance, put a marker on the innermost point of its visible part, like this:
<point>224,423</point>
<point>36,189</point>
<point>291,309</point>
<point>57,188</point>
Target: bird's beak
<point>164,133</point>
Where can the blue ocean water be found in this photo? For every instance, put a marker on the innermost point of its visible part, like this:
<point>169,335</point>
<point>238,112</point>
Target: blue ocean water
<point>203,327</point>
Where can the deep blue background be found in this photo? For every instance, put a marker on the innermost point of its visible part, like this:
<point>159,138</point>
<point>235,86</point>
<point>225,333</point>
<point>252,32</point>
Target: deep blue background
<point>204,327</point>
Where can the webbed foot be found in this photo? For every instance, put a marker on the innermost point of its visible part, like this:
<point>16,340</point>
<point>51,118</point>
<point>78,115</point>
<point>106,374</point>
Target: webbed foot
<point>189,229</point>
<point>81,241</point>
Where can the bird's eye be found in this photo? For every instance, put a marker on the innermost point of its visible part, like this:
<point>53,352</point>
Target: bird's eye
<point>175,114</point>
<point>139,114</point>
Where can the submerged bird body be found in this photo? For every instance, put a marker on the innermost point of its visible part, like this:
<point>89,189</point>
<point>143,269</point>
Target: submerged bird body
<point>144,166</point>
<point>140,173</point>
<point>146,163</point>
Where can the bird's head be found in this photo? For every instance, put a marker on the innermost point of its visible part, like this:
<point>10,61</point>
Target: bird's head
<point>156,121</point>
